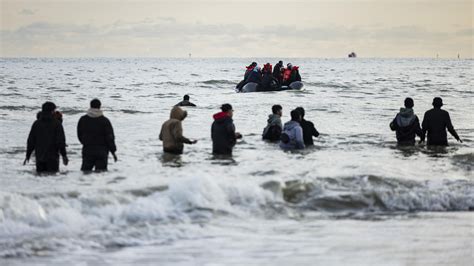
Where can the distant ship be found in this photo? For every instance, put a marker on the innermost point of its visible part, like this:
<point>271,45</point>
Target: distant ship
<point>352,55</point>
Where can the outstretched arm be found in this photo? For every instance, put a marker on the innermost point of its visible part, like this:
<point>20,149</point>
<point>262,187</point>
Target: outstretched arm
<point>451,130</point>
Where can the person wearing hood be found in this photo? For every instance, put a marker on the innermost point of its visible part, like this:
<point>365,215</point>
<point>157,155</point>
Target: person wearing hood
<point>47,139</point>
<point>172,132</point>
<point>308,128</point>
<point>255,76</point>
<point>435,123</point>
<point>249,70</point>
<point>274,126</point>
<point>223,132</point>
<point>406,125</point>
<point>96,135</point>
<point>185,102</point>
<point>292,135</point>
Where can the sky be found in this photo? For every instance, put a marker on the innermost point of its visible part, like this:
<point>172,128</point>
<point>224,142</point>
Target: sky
<point>219,28</point>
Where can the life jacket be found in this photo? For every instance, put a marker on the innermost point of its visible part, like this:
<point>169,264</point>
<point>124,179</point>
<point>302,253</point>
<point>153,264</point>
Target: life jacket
<point>250,68</point>
<point>267,68</point>
<point>286,74</point>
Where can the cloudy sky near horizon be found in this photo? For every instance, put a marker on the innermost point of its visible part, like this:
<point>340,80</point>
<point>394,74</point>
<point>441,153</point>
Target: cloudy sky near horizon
<point>219,28</point>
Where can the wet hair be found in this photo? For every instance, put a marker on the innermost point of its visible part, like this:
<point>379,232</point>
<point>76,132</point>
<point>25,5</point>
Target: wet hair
<point>280,62</point>
<point>295,115</point>
<point>301,110</point>
<point>409,102</point>
<point>226,107</point>
<point>276,108</point>
<point>95,104</point>
<point>186,97</point>
<point>48,107</point>
<point>437,102</point>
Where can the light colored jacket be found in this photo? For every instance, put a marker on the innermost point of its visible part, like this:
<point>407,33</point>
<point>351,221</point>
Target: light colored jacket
<point>172,131</point>
<point>295,134</point>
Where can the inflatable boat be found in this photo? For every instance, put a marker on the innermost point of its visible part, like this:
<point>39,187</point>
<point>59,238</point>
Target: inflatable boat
<point>254,87</point>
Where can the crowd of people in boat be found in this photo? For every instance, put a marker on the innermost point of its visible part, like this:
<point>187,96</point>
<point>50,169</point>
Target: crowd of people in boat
<point>96,134</point>
<point>270,78</point>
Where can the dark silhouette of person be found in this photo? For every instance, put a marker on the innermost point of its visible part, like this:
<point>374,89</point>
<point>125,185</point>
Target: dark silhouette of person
<point>47,139</point>
<point>185,102</point>
<point>435,122</point>
<point>277,71</point>
<point>96,135</point>
<point>406,124</point>
<point>223,132</point>
<point>308,128</point>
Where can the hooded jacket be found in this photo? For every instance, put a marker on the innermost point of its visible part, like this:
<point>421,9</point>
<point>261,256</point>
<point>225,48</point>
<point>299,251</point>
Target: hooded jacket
<point>273,129</point>
<point>295,134</point>
<point>46,138</point>
<point>95,131</point>
<point>435,122</point>
<point>222,134</point>
<point>172,131</point>
<point>406,125</point>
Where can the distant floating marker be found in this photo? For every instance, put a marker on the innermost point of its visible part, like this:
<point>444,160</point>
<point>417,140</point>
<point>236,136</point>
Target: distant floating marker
<point>352,55</point>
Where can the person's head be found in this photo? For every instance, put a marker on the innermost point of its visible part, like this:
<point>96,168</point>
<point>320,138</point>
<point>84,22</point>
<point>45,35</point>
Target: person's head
<point>186,97</point>
<point>95,104</point>
<point>301,111</point>
<point>295,115</point>
<point>277,110</point>
<point>280,62</point>
<point>227,108</point>
<point>289,66</point>
<point>409,103</point>
<point>437,102</point>
<point>254,64</point>
<point>48,107</point>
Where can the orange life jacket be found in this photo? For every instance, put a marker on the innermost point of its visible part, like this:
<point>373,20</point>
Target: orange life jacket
<point>286,74</point>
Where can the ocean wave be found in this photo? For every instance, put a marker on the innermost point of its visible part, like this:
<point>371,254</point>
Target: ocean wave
<point>219,82</point>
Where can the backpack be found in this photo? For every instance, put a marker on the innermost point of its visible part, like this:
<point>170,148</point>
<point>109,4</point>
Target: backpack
<point>273,133</point>
<point>285,138</point>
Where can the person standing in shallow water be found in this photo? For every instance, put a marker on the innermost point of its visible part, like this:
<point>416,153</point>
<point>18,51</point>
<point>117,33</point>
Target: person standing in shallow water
<point>435,123</point>
<point>96,135</point>
<point>172,132</point>
<point>223,132</point>
<point>47,139</point>
<point>407,125</point>
<point>292,135</point>
<point>308,128</point>
<point>274,126</point>
<point>185,102</point>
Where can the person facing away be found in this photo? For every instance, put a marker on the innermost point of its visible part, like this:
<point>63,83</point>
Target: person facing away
<point>268,81</point>
<point>435,122</point>
<point>249,70</point>
<point>172,132</point>
<point>47,139</point>
<point>277,71</point>
<point>223,131</point>
<point>308,128</point>
<point>291,74</point>
<point>255,76</point>
<point>185,102</point>
<point>274,126</point>
<point>96,135</point>
<point>406,124</point>
<point>292,135</point>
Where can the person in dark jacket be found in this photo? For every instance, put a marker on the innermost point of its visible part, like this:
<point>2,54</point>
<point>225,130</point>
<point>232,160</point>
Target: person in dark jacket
<point>274,126</point>
<point>255,76</point>
<point>185,102</point>
<point>96,134</point>
<point>308,128</point>
<point>406,124</point>
<point>249,70</point>
<point>47,139</point>
<point>435,122</point>
<point>223,131</point>
<point>277,71</point>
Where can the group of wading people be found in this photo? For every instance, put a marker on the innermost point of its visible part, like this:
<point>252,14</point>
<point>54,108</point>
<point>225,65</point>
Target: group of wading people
<point>96,134</point>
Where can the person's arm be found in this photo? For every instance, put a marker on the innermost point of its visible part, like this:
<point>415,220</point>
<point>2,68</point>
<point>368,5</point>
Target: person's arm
<point>31,143</point>
<point>230,128</point>
<point>418,130</point>
<point>80,130</point>
<point>298,77</point>
<point>109,136</point>
<point>299,138</point>
<point>424,127</point>
<point>61,143</point>
<point>178,133</point>
<point>393,124</point>
<point>450,127</point>
<point>314,131</point>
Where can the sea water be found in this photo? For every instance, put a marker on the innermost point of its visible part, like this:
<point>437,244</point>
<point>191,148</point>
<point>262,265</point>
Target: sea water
<point>354,198</point>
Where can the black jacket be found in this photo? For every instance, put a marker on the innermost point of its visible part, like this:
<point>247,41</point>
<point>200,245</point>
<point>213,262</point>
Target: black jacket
<point>407,126</point>
<point>308,132</point>
<point>47,139</point>
<point>222,134</point>
<point>435,123</point>
<point>96,133</point>
<point>277,71</point>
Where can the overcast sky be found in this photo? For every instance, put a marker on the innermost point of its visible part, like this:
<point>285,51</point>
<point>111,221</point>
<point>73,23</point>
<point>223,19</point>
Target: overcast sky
<point>218,28</point>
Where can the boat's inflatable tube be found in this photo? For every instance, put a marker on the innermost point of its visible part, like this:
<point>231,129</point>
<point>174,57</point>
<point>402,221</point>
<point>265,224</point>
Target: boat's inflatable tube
<point>250,87</point>
<point>296,85</point>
